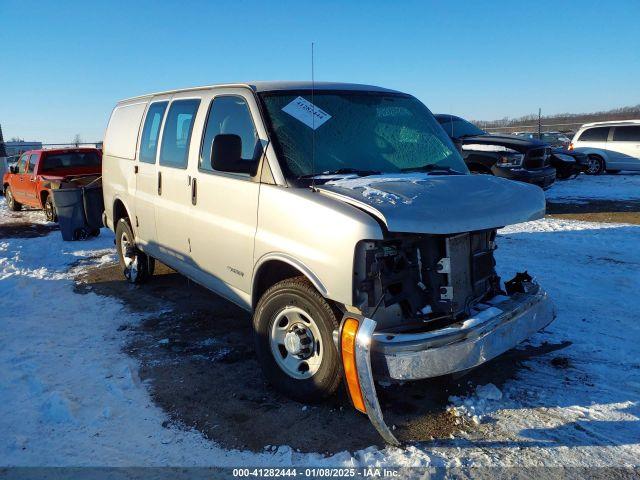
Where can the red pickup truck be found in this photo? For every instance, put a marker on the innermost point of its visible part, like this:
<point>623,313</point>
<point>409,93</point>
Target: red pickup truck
<point>30,182</point>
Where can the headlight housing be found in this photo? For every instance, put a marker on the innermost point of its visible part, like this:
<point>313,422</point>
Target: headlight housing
<point>510,160</point>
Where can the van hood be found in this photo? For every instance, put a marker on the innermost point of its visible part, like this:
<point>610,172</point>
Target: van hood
<point>440,204</point>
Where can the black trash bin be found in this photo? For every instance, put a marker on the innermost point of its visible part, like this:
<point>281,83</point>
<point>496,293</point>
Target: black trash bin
<point>70,210</point>
<point>93,207</point>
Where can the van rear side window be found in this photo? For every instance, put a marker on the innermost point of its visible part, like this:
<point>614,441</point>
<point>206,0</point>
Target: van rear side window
<point>151,132</point>
<point>177,133</point>
<point>626,134</point>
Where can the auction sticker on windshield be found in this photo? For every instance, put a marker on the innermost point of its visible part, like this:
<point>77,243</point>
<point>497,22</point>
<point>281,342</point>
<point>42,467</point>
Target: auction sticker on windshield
<point>305,111</point>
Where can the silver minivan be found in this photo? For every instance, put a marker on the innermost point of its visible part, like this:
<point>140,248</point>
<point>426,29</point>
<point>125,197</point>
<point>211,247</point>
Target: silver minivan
<point>610,146</point>
<point>341,215</point>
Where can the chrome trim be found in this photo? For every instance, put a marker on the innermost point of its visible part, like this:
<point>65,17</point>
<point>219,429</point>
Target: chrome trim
<point>367,385</point>
<point>454,349</point>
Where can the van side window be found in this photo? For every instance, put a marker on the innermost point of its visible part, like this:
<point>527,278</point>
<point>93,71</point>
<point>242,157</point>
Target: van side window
<point>626,134</point>
<point>33,159</point>
<point>230,115</point>
<point>598,134</point>
<point>177,133</point>
<point>151,132</point>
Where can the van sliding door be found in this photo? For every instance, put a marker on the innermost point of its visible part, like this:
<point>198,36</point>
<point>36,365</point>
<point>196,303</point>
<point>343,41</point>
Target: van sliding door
<point>173,183</point>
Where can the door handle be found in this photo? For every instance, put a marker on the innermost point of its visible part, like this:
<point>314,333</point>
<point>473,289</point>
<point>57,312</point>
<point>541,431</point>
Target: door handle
<point>135,169</point>
<point>159,183</point>
<point>194,191</point>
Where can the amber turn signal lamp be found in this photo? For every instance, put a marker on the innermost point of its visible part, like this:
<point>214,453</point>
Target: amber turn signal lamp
<point>348,348</point>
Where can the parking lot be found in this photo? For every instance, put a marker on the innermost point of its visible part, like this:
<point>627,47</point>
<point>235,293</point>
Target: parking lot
<point>165,372</point>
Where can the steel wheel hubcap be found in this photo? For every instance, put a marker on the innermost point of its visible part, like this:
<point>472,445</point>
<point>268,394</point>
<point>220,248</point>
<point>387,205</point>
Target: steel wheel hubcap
<point>296,343</point>
<point>130,258</point>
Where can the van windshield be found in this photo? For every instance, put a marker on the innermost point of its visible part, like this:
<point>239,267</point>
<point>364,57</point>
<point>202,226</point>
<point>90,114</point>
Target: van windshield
<point>366,132</point>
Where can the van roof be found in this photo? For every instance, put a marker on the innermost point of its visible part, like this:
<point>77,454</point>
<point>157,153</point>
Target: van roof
<point>613,122</point>
<point>274,86</point>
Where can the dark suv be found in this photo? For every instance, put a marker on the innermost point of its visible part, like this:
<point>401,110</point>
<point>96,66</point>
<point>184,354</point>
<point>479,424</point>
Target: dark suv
<point>510,157</point>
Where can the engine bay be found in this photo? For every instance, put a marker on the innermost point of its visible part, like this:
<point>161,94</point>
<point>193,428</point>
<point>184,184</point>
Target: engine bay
<point>413,282</point>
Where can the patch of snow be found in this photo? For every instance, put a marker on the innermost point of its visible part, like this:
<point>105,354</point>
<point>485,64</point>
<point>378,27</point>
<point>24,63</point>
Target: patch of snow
<point>376,195</point>
<point>487,148</point>
<point>488,392</point>
<point>596,187</point>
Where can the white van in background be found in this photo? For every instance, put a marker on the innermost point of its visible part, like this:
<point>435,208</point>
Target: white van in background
<point>611,146</point>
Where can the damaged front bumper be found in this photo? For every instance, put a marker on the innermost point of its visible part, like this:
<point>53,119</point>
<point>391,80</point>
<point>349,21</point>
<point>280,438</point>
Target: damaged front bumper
<point>497,327</point>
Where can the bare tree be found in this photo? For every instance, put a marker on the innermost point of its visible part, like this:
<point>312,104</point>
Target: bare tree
<point>77,140</point>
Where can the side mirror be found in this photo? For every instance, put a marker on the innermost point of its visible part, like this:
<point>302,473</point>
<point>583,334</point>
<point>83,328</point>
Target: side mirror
<point>226,155</point>
<point>13,169</point>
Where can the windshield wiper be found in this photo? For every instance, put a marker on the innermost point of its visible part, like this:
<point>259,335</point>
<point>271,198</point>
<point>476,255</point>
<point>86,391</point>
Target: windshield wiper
<point>432,167</point>
<point>343,171</point>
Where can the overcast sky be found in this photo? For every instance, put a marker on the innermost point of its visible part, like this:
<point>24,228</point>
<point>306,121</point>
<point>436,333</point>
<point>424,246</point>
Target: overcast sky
<point>65,64</point>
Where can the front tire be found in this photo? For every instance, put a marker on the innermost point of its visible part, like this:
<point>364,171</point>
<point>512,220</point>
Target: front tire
<point>11,201</point>
<point>596,165</point>
<point>293,326</point>
<point>136,266</point>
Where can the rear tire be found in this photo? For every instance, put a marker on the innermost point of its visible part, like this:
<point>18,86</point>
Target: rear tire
<point>293,315</point>
<point>596,165</point>
<point>136,266</point>
<point>11,201</point>
<point>50,210</point>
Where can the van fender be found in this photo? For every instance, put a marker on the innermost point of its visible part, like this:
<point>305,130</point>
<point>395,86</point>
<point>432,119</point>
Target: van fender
<point>295,263</point>
<point>118,199</point>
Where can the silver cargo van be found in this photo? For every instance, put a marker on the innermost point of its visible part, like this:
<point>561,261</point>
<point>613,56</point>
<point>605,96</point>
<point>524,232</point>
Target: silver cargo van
<point>341,215</point>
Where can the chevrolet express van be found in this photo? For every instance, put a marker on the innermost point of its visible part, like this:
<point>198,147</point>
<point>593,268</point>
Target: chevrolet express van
<point>341,215</point>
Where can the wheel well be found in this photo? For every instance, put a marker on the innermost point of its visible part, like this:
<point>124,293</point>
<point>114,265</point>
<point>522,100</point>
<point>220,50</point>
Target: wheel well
<point>4,188</point>
<point>119,211</point>
<point>270,273</point>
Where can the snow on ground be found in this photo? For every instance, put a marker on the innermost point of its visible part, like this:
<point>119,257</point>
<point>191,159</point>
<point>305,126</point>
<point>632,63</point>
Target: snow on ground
<point>69,396</point>
<point>588,413</point>
<point>600,187</point>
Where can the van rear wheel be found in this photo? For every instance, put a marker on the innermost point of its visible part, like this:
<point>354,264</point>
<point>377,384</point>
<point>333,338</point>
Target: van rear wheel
<point>293,327</point>
<point>135,264</point>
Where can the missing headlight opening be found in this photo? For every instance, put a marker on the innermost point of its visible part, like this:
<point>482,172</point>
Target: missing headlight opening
<point>425,280</point>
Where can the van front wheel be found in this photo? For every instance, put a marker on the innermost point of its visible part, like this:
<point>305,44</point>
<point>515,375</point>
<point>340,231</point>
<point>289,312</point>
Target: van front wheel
<point>293,327</point>
<point>135,264</point>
